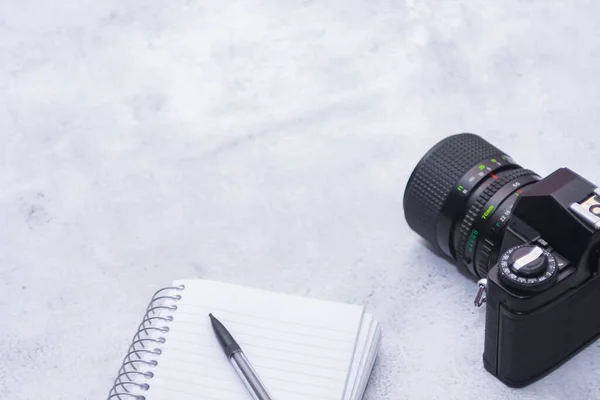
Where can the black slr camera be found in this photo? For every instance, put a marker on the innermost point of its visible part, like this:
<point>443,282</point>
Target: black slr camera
<point>533,243</point>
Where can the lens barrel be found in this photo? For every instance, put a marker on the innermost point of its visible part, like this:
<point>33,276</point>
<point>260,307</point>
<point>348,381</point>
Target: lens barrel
<point>460,196</point>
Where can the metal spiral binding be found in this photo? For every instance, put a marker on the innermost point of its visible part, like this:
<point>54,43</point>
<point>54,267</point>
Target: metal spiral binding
<point>142,355</point>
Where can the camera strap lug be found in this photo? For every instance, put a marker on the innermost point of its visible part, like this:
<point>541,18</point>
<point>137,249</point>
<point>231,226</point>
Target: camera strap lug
<point>481,296</point>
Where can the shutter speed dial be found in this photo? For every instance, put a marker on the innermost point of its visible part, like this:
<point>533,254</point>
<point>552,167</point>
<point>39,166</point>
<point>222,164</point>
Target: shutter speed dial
<point>528,268</point>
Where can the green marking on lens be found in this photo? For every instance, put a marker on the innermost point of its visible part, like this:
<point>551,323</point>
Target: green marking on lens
<point>472,240</point>
<point>482,167</point>
<point>487,212</point>
<point>460,188</point>
<point>494,160</point>
<point>499,224</point>
<point>504,157</point>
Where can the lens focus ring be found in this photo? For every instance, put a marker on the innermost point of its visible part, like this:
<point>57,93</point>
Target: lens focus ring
<point>476,208</point>
<point>436,176</point>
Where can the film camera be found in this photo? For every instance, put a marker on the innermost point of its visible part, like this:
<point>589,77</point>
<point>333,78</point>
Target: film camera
<point>534,244</point>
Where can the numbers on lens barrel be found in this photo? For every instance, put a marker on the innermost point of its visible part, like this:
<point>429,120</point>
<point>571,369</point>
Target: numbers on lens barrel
<point>480,171</point>
<point>504,216</point>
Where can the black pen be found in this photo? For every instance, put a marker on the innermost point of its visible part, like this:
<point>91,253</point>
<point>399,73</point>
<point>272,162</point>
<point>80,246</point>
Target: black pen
<point>238,360</point>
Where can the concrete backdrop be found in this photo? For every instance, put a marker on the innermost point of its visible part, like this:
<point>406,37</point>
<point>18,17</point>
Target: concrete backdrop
<point>267,143</point>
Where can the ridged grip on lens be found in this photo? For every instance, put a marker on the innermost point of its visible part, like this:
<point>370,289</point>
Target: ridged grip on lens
<point>436,175</point>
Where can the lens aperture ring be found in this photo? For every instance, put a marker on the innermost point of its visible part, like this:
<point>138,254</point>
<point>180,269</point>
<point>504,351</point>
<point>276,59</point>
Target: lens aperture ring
<point>492,229</point>
<point>457,199</point>
<point>467,237</point>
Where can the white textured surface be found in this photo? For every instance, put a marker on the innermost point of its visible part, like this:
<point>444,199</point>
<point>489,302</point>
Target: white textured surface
<point>266,143</point>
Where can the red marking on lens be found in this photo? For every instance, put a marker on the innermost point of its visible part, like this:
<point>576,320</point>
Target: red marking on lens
<point>493,176</point>
<point>520,191</point>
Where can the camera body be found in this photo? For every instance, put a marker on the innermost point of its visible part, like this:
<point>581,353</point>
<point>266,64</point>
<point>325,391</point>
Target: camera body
<point>536,322</point>
<point>533,243</point>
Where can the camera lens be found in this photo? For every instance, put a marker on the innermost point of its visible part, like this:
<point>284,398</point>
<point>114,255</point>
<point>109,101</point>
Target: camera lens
<point>460,196</point>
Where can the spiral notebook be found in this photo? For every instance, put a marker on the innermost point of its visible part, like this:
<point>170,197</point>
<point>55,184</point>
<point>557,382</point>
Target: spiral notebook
<point>302,348</point>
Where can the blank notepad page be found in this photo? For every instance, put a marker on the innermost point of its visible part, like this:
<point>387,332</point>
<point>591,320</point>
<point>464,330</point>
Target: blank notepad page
<point>301,348</point>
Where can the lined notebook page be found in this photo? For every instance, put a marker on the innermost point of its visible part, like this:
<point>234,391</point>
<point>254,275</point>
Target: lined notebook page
<point>301,348</point>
